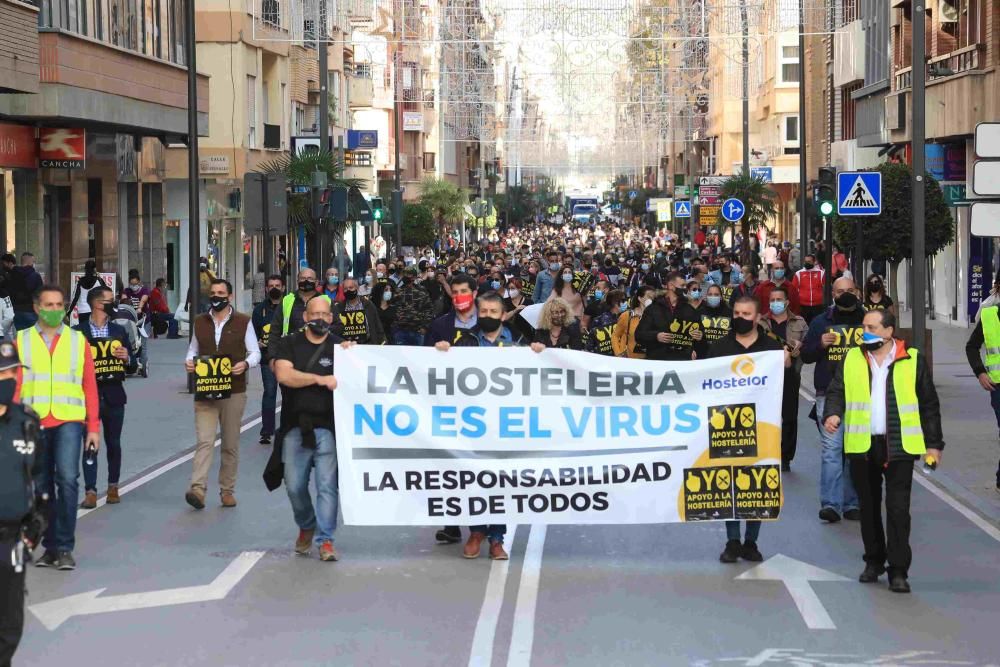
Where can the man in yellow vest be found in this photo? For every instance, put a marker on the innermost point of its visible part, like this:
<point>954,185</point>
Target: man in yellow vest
<point>290,317</point>
<point>987,334</point>
<point>57,381</point>
<point>884,394</point>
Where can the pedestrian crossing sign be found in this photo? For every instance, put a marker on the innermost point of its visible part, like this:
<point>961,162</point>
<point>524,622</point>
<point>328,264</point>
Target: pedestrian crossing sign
<point>682,209</point>
<point>859,193</point>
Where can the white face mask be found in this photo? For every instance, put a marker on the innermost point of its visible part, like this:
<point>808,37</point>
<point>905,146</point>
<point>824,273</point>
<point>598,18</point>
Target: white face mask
<point>513,293</point>
<point>647,302</point>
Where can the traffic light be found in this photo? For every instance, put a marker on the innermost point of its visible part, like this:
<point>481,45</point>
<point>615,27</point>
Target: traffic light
<point>377,209</point>
<point>825,194</point>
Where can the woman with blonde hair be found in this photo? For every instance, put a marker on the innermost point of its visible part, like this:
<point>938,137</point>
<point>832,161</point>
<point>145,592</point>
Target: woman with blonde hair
<point>557,327</point>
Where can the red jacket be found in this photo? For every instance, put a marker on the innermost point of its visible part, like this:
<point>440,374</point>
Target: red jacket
<point>158,302</point>
<point>809,283</point>
<point>763,295</point>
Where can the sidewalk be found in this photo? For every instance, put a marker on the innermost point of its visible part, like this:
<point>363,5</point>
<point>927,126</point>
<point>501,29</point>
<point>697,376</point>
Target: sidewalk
<point>970,429</point>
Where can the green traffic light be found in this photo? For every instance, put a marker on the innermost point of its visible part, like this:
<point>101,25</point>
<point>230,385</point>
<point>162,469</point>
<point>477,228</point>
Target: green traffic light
<point>826,208</point>
<point>377,214</point>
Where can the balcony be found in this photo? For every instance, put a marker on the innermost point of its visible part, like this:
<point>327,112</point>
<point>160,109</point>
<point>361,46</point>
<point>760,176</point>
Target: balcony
<point>961,61</point>
<point>18,47</point>
<point>360,91</point>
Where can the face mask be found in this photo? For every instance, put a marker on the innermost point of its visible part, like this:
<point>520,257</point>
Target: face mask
<point>110,310</point>
<point>598,294</point>
<point>203,266</point>
<point>875,286</point>
<point>742,326</point>
<point>872,342</point>
<point>7,388</point>
<point>320,327</point>
<point>274,293</point>
<point>695,294</point>
<point>554,266</point>
<point>462,302</point>
<point>489,324</point>
<point>386,295</point>
<point>646,303</point>
<point>644,266</point>
<point>567,277</point>
<point>779,274</point>
<point>714,301</point>
<point>307,285</point>
<point>350,295</point>
<point>52,318</point>
<point>495,284</point>
<point>333,280</point>
<point>847,301</point>
<point>218,303</point>
<point>558,320</point>
<point>380,275</point>
<point>513,293</point>
<point>778,307</point>
<point>808,265</point>
<point>134,288</point>
<point>368,280</point>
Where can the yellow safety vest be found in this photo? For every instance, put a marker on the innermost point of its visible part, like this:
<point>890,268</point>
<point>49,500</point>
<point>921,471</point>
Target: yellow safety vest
<point>53,384</point>
<point>858,402</point>
<point>991,336</point>
<point>286,309</point>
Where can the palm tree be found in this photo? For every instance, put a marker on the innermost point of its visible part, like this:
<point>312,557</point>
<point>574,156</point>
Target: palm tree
<point>756,195</point>
<point>298,172</point>
<point>445,199</point>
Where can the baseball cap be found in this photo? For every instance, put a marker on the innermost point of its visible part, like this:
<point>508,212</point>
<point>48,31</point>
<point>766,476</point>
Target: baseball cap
<point>8,356</point>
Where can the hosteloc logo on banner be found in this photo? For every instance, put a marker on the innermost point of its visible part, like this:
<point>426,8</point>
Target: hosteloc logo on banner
<point>743,371</point>
<point>62,148</point>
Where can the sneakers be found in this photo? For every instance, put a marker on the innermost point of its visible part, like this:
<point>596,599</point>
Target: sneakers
<point>304,542</point>
<point>265,439</point>
<point>853,514</point>
<point>89,500</point>
<point>731,553</point>
<point>497,551</point>
<point>872,573</point>
<point>449,535</point>
<point>829,515</point>
<point>327,552</point>
<point>48,559</point>
<point>228,499</point>
<point>474,545</point>
<point>113,497</point>
<point>899,584</point>
<point>144,372</point>
<point>195,498</point>
<point>749,552</point>
<point>65,561</point>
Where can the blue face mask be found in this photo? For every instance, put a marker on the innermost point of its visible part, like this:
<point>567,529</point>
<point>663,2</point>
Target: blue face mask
<point>598,294</point>
<point>778,307</point>
<point>779,274</point>
<point>714,301</point>
<point>644,266</point>
<point>871,342</point>
<point>333,280</point>
<point>694,294</point>
<point>495,284</point>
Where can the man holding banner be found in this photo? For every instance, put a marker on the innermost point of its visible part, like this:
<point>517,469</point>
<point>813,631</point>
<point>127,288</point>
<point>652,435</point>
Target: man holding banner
<point>113,360</point>
<point>223,347</point>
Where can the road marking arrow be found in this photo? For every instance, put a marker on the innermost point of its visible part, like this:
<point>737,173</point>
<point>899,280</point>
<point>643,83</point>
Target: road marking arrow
<point>796,575</point>
<point>54,613</point>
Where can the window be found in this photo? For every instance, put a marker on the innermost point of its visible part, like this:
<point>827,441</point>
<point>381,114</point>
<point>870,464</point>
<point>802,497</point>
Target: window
<point>790,135</point>
<point>251,111</point>
<point>789,64</point>
<point>429,161</point>
<point>270,13</point>
<point>961,24</point>
<point>848,113</point>
<point>284,105</point>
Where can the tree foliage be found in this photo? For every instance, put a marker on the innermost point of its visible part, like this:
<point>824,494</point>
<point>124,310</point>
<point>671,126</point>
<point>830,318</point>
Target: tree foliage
<point>889,236</point>
<point>418,225</point>
<point>445,200</point>
<point>519,201</point>
<point>298,172</point>
<point>756,195</point>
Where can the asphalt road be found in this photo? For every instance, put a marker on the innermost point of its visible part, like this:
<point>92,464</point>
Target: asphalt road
<point>161,584</point>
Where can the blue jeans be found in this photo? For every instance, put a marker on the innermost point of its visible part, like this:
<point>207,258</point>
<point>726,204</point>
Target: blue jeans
<point>112,419</point>
<point>403,337</point>
<point>24,319</point>
<point>836,489</point>
<point>752,532</point>
<point>494,532</point>
<point>60,479</point>
<point>299,462</point>
<point>269,401</point>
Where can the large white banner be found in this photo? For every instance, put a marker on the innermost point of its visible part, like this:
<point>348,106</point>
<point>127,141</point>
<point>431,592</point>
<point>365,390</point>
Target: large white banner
<point>495,435</point>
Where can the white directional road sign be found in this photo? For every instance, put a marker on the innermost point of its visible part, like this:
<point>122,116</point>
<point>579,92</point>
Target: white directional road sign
<point>733,210</point>
<point>986,178</point>
<point>859,193</point>
<point>984,218</point>
<point>988,140</point>
<point>796,575</point>
<point>682,209</point>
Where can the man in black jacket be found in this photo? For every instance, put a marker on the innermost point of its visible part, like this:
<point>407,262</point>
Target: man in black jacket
<point>884,395</point>
<point>358,317</point>
<point>670,327</point>
<point>113,360</point>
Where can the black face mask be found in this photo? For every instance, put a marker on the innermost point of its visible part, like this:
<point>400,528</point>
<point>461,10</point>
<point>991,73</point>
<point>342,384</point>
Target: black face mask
<point>274,293</point>
<point>218,303</point>
<point>808,265</point>
<point>307,285</point>
<point>350,295</point>
<point>489,324</point>
<point>847,301</point>
<point>110,310</point>
<point>319,327</point>
<point>7,388</point>
<point>874,286</point>
<point>743,326</point>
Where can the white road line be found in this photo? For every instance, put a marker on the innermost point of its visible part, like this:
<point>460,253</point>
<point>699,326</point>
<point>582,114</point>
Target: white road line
<point>489,614</point>
<point>943,495</point>
<point>523,635</point>
<point>165,468</point>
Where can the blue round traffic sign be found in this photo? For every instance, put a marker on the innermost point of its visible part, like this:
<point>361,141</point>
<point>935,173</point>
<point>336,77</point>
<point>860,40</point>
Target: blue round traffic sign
<point>733,210</point>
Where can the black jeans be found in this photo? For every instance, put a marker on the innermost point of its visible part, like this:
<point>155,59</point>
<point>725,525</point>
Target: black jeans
<point>790,415</point>
<point>892,542</point>
<point>11,605</point>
